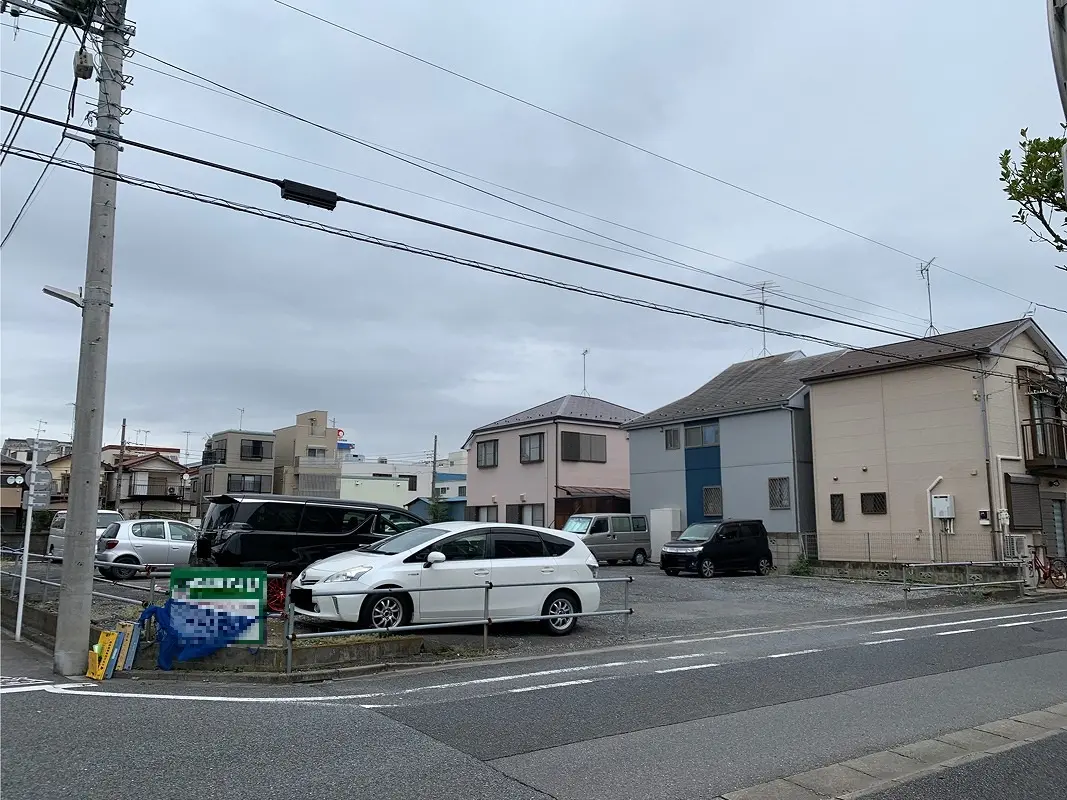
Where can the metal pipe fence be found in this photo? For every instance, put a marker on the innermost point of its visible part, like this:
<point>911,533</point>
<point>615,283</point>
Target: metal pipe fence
<point>1016,565</point>
<point>485,622</point>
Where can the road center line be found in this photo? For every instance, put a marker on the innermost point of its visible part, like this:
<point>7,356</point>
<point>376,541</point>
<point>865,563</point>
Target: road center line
<point>685,668</point>
<point>968,621</point>
<point>794,653</point>
<point>1029,622</point>
<point>885,641</point>
<point>953,633</point>
<point>549,686</point>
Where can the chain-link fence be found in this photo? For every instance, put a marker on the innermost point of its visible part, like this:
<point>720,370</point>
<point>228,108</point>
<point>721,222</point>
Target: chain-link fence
<point>898,547</point>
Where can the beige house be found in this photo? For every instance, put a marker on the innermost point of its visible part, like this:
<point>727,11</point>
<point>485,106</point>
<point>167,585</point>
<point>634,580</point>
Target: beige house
<point>234,461</point>
<point>541,465</point>
<point>949,448</point>
<point>60,470</point>
<point>305,457</point>
<point>151,485</point>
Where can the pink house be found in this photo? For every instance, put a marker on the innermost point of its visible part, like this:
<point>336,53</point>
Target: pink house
<point>539,466</point>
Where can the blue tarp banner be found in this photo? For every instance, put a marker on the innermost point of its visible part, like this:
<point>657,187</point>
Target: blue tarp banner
<point>188,630</point>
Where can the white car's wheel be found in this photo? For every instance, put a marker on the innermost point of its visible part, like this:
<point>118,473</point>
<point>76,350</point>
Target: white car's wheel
<point>386,611</point>
<point>559,607</point>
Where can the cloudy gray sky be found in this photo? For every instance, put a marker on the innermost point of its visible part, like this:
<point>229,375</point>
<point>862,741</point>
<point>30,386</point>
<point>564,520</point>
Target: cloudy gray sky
<point>885,119</point>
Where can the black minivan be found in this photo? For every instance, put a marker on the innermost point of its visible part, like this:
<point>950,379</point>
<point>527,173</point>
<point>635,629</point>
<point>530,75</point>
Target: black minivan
<point>285,533</point>
<point>710,547</point>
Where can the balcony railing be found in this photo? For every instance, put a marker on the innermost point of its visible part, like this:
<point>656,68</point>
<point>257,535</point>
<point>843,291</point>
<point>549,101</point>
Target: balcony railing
<point>155,489</point>
<point>1045,444</point>
<point>214,457</point>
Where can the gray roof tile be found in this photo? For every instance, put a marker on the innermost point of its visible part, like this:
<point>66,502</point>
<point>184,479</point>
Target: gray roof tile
<point>573,407</point>
<point>957,344</point>
<point>746,386</point>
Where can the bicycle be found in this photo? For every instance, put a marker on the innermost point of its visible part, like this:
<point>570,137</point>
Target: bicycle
<point>1048,570</point>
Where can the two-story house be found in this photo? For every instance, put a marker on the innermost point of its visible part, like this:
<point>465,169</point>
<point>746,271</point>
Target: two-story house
<point>305,457</point>
<point>948,448</point>
<point>738,447</point>
<point>234,461</point>
<point>539,466</point>
<point>151,485</point>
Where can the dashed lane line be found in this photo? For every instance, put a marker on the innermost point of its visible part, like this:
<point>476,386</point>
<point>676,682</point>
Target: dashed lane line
<point>686,668</point>
<point>967,622</point>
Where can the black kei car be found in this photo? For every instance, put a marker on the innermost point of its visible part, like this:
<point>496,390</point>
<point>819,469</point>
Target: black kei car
<point>284,534</point>
<point>707,548</point>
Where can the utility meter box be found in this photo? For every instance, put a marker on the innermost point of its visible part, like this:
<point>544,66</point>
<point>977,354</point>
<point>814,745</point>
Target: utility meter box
<point>943,506</point>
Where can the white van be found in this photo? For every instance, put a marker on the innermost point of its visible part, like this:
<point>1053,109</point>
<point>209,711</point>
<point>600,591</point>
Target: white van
<point>56,536</point>
<point>613,537</point>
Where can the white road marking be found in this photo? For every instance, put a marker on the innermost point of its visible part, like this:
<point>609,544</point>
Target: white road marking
<point>1029,622</point>
<point>692,655</point>
<point>42,686</point>
<point>549,686</point>
<point>953,633</point>
<point>884,641</point>
<point>685,668</point>
<point>795,653</point>
<point>968,621</point>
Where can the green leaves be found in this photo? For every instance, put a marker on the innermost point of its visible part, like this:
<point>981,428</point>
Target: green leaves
<point>1035,181</point>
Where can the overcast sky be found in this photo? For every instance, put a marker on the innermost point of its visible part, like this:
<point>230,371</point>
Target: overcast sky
<point>885,119</point>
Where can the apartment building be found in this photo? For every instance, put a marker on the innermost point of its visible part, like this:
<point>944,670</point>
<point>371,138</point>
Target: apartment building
<point>305,457</point>
<point>234,461</point>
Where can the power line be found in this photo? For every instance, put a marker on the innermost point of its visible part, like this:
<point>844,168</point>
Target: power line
<point>639,148</point>
<point>33,191</point>
<point>505,271</point>
<point>762,304</point>
<point>34,88</point>
<point>655,258</point>
<point>412,160</point>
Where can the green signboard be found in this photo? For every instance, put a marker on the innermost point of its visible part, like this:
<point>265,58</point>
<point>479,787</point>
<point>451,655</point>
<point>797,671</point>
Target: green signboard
<point>239,592</point>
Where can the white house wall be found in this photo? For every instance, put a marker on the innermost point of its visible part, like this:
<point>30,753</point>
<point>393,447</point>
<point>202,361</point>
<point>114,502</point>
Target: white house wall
<point>657,475</point>
<point>753,449</point>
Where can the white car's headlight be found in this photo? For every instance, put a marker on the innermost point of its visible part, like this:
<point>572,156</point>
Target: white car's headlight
<point>353,574</point>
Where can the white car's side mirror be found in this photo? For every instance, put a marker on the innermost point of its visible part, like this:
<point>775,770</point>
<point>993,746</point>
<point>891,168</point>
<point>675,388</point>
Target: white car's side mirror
<point>434,557</point>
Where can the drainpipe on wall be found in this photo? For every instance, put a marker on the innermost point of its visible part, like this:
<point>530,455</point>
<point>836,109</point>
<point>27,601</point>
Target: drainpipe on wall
<point>986,446</point>
<point>930,511</point>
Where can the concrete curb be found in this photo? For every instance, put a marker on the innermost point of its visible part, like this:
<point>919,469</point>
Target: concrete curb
<point>876,772</point>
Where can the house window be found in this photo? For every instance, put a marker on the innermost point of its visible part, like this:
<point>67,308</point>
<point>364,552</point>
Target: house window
<point>316,452</point>
<point>488,453</point>
<point>873,503</point>
<point>534,515</point>
<point>671,439</point>
<point>778,494</point>
<point>413,482</point>
<point>712,501</point>
<point>837,508</point>
<point>254,450</point>
<point>259,484</point>
<point>513,513</point>
<point>482,513</point>
<point>462,491</point>
<point>592,447</point>
<point>208,476</point>
<point>440,491</point>
<point>702,435</point>
<point>532,448</point>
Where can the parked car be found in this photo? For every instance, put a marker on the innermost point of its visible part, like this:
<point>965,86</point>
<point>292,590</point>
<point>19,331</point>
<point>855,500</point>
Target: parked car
<point>164,542</point>
<point>459,554</point>
<point>281,533</point>
<point>710,547</point>
<point>56,531</point>
<point>613,537</point>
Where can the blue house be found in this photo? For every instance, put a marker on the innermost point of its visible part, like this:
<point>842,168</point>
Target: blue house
<point>737,447</point>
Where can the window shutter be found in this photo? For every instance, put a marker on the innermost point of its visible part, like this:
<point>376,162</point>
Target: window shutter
<point>1024,502</point>
<point>570,446</point>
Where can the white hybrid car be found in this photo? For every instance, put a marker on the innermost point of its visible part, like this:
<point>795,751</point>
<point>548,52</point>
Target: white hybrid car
<point>455,554</point>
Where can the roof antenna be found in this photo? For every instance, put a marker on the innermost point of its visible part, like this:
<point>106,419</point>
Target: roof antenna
<point>761,289</point>
<point>585,389</point>
<point>924,273</point>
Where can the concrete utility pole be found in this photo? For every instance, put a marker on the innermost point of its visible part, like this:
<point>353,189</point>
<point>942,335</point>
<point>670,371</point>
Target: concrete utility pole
<point>1057,31</point>
<point>118,472</point>
<point>75,593</point>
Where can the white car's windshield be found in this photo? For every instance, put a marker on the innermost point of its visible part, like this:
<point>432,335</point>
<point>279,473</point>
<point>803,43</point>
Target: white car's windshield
<point>577,524</point>
<point>105,518</point>
<point>408,540</point>
<point>699,532</point>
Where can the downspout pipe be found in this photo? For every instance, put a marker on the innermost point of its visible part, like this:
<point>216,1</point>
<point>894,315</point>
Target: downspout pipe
<point>930,511</point>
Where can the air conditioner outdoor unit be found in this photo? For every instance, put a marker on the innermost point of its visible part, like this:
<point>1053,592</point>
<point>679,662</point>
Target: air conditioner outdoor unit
<point>1014,545</point>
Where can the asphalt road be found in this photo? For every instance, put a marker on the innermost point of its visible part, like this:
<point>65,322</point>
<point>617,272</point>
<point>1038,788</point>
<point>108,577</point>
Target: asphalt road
<point>691,716</point>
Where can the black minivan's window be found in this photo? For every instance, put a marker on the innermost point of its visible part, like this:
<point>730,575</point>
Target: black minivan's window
<point>517,544</point>
<point>322,519</point>
<point>276,517</point>
<point>219,515</point>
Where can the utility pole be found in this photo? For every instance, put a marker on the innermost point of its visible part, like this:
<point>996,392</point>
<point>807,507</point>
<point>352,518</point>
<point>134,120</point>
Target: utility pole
<point>28,530</point>
<point>187,435</point>
<point>1057,30</point>
<point>924,273</point>
<point>75,593</point>
<point>433,471</point>
<point>118,472</point>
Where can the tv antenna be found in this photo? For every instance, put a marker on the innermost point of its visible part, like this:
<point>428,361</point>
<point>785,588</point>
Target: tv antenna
<point>924,273</point>
<point>761,289</point>
<point>585,389</point>
<point>241,420</point>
